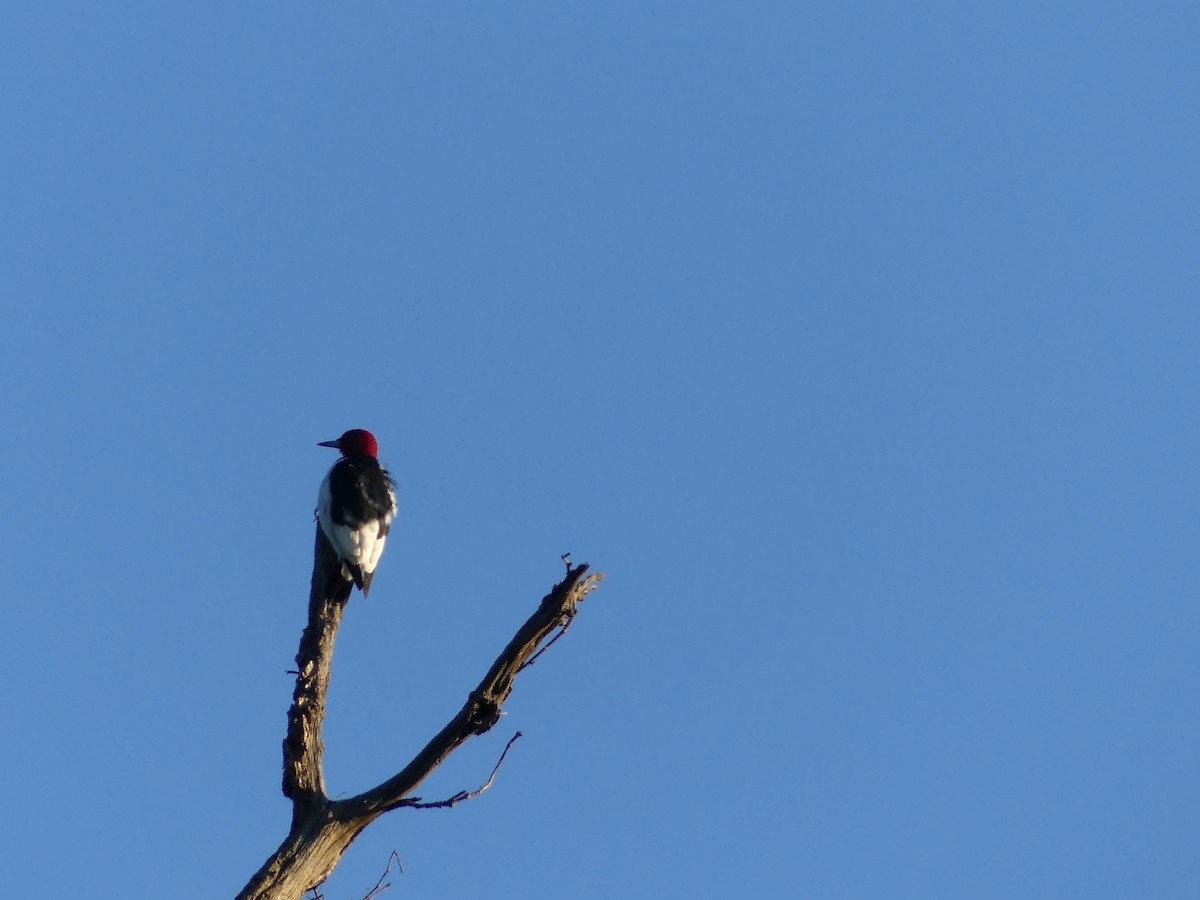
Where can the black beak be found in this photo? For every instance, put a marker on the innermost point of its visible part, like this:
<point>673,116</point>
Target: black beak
<point>333,444</point>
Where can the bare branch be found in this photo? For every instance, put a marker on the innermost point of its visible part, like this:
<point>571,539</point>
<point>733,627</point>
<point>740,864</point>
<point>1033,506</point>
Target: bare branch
<point>322,829</point>
<point>482,709</point>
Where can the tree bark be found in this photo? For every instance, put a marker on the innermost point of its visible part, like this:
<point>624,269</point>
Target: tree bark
<point>322,829</point>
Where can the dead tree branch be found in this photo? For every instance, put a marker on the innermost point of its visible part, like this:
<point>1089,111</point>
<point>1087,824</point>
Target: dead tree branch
<point>322,828</point>
<point>450,802</point>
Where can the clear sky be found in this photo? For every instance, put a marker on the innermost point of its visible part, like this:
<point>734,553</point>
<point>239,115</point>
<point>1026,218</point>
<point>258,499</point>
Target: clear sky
<point>855,341</point>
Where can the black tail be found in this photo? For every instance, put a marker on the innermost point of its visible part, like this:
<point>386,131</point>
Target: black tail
<point>361,581</point>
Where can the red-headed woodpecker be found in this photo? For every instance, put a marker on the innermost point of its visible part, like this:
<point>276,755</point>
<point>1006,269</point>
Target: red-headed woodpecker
<point>356,505</point>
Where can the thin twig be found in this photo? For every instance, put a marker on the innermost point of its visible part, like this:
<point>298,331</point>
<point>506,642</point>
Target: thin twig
<point>417,803</point>
<point>380,887</point>
<point>529,662</point>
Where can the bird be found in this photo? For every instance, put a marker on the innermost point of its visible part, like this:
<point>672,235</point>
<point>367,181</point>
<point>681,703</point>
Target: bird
<point>356,506</point>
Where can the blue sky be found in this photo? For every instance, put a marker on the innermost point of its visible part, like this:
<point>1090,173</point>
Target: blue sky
<point>856,342</point>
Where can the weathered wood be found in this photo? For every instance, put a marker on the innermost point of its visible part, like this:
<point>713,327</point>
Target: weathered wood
<point>303,748</point>
<point>322,829</point>
<point>306,857</point>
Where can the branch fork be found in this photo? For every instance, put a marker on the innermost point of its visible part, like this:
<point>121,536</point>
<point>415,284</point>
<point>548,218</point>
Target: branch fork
<point>322,829</point>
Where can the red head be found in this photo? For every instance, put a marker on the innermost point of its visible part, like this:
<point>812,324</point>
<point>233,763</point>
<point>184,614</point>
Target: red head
<point>355,442</point>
